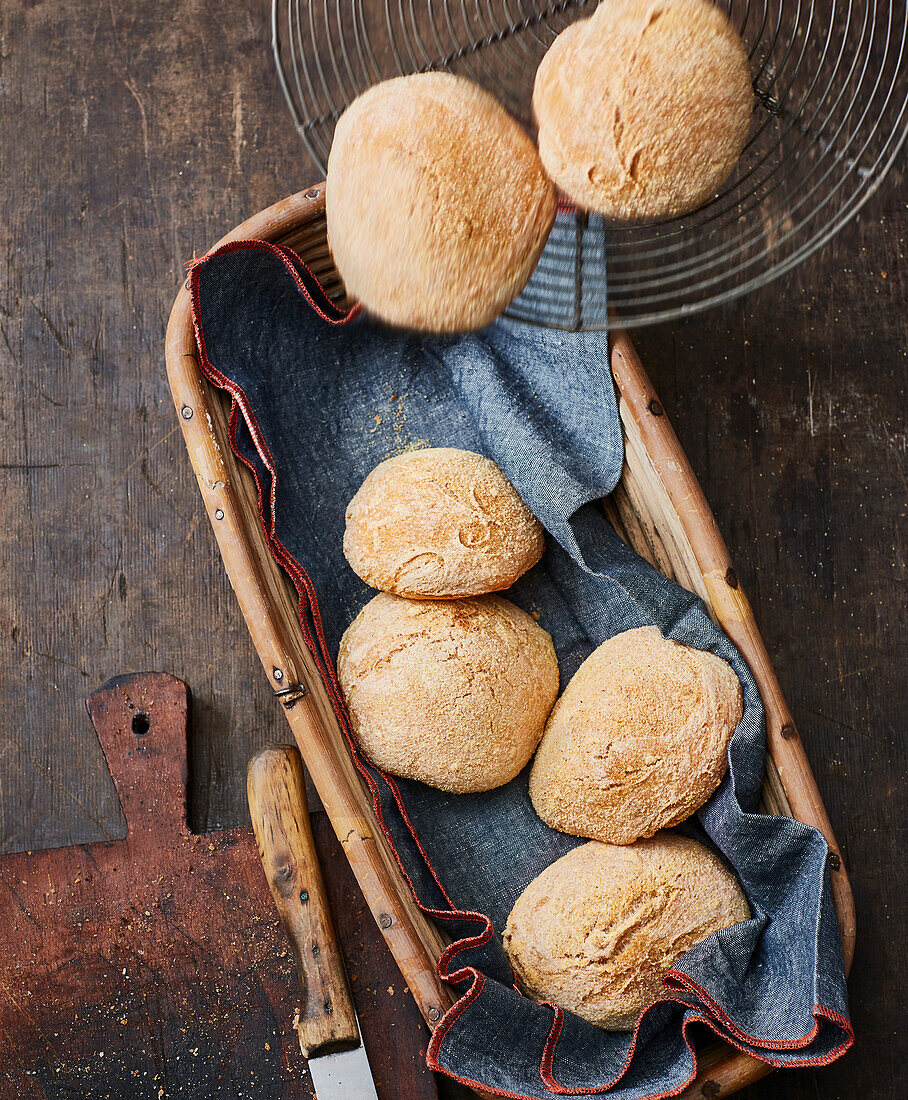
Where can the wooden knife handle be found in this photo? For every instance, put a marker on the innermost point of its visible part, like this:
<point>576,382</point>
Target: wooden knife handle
<point>280,819</point>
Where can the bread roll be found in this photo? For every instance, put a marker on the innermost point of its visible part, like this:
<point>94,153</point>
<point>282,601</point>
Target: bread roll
<point>598,929</point>
<point>454,693</point>
<point>440,523</point>
<point>643,109</point>
<point>638,741</point>
<point>437,203</point>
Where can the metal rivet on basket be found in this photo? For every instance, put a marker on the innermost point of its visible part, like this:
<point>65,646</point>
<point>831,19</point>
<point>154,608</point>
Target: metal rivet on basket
<point>788,731</point>
<point>434,1015</point>
<point>313,193</point>
<point>219,513</point>
<point>731,578</point>
<point>834,862</point>
<point>277,674</point>
<point>655,408</point>
<point>186,412</point>
<point>385,920</point>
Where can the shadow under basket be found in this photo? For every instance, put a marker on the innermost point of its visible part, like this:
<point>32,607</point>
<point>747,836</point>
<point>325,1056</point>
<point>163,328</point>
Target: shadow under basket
<point>657,507</point>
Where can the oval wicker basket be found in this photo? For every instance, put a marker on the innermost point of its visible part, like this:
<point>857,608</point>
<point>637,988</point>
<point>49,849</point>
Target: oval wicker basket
<point>658,507</point>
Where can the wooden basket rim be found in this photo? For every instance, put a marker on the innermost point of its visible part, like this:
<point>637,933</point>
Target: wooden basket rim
<point>270,614</point>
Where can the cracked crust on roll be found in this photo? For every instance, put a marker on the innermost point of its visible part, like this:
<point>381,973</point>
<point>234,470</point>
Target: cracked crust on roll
<point>598,929</point>
<point>440,524</point>
<point>644,108</point>
<point>454,693</point>
<point>438,206</point>
<point>638,740</point>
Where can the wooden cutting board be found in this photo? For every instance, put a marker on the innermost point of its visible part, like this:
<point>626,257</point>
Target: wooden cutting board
<point>155,966</point>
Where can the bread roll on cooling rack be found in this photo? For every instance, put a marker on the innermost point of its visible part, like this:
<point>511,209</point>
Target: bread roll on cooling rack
<point>644,108</point>
<point>437,203</point>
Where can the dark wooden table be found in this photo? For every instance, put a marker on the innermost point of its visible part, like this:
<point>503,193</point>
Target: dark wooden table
<point>131,136</point>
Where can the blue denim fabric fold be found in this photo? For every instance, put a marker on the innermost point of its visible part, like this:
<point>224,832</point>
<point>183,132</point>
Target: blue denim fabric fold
<point>316,406</point>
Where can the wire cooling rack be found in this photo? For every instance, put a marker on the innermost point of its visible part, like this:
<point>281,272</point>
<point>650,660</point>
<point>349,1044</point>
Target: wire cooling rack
<point>831,82</point>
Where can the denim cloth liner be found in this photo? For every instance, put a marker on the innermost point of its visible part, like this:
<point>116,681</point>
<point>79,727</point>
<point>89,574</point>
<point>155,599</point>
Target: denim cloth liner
<point>316,406</point>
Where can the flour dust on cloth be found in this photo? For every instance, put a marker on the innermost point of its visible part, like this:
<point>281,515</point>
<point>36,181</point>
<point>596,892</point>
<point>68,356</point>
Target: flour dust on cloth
<point>319,400</point>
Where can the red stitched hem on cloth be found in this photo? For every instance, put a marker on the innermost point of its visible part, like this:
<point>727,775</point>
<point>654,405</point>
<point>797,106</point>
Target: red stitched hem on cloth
<point>676,978</point>
<point>315,642</point>
<point>545,1068</point>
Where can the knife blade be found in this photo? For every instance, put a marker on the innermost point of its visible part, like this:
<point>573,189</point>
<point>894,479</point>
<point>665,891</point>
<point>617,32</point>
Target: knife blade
<point>343,1076</point>
<point>327,1024</point>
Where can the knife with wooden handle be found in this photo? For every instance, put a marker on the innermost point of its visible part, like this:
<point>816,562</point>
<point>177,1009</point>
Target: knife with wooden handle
<point>327,1024</point>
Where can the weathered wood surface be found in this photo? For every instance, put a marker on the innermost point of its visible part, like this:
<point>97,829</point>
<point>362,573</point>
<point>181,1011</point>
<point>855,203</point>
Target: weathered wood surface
<point>155,965</point>
<point>132,135</point>
<point>121,959</point>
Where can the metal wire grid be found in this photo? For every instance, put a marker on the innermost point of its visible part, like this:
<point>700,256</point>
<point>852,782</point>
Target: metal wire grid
<point>831,82</point>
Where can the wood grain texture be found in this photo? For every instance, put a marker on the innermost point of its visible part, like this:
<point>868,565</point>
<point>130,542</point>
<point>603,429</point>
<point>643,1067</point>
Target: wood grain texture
<point>121,959</point>
<point>155,965</point>
<point>276,789</point>
<point>130,136</point>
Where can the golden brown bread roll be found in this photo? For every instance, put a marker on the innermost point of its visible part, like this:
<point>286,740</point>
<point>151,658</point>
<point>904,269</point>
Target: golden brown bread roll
<point>638,740</point>
<point>440,523</point>
<point>644,108</point>
<point>437,203</point>
<point>454,693</point>
<point>598,929</point>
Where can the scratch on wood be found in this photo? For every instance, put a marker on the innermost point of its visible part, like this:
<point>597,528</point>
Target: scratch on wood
<point>145,143</point>
<point>37,465</point>
<point>191,530</point>
<point>15,358</point>
<point>811,382</point>
<point>113,578</point>
<point>62,661</point>
<point>853,672</point>
<point>91,500</point>
<point>53,330</point>
<point>19,1006</point>
<point>23,908</point>
<point>58,782</point>
<point>137,527</point>
<point>237,121</point>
